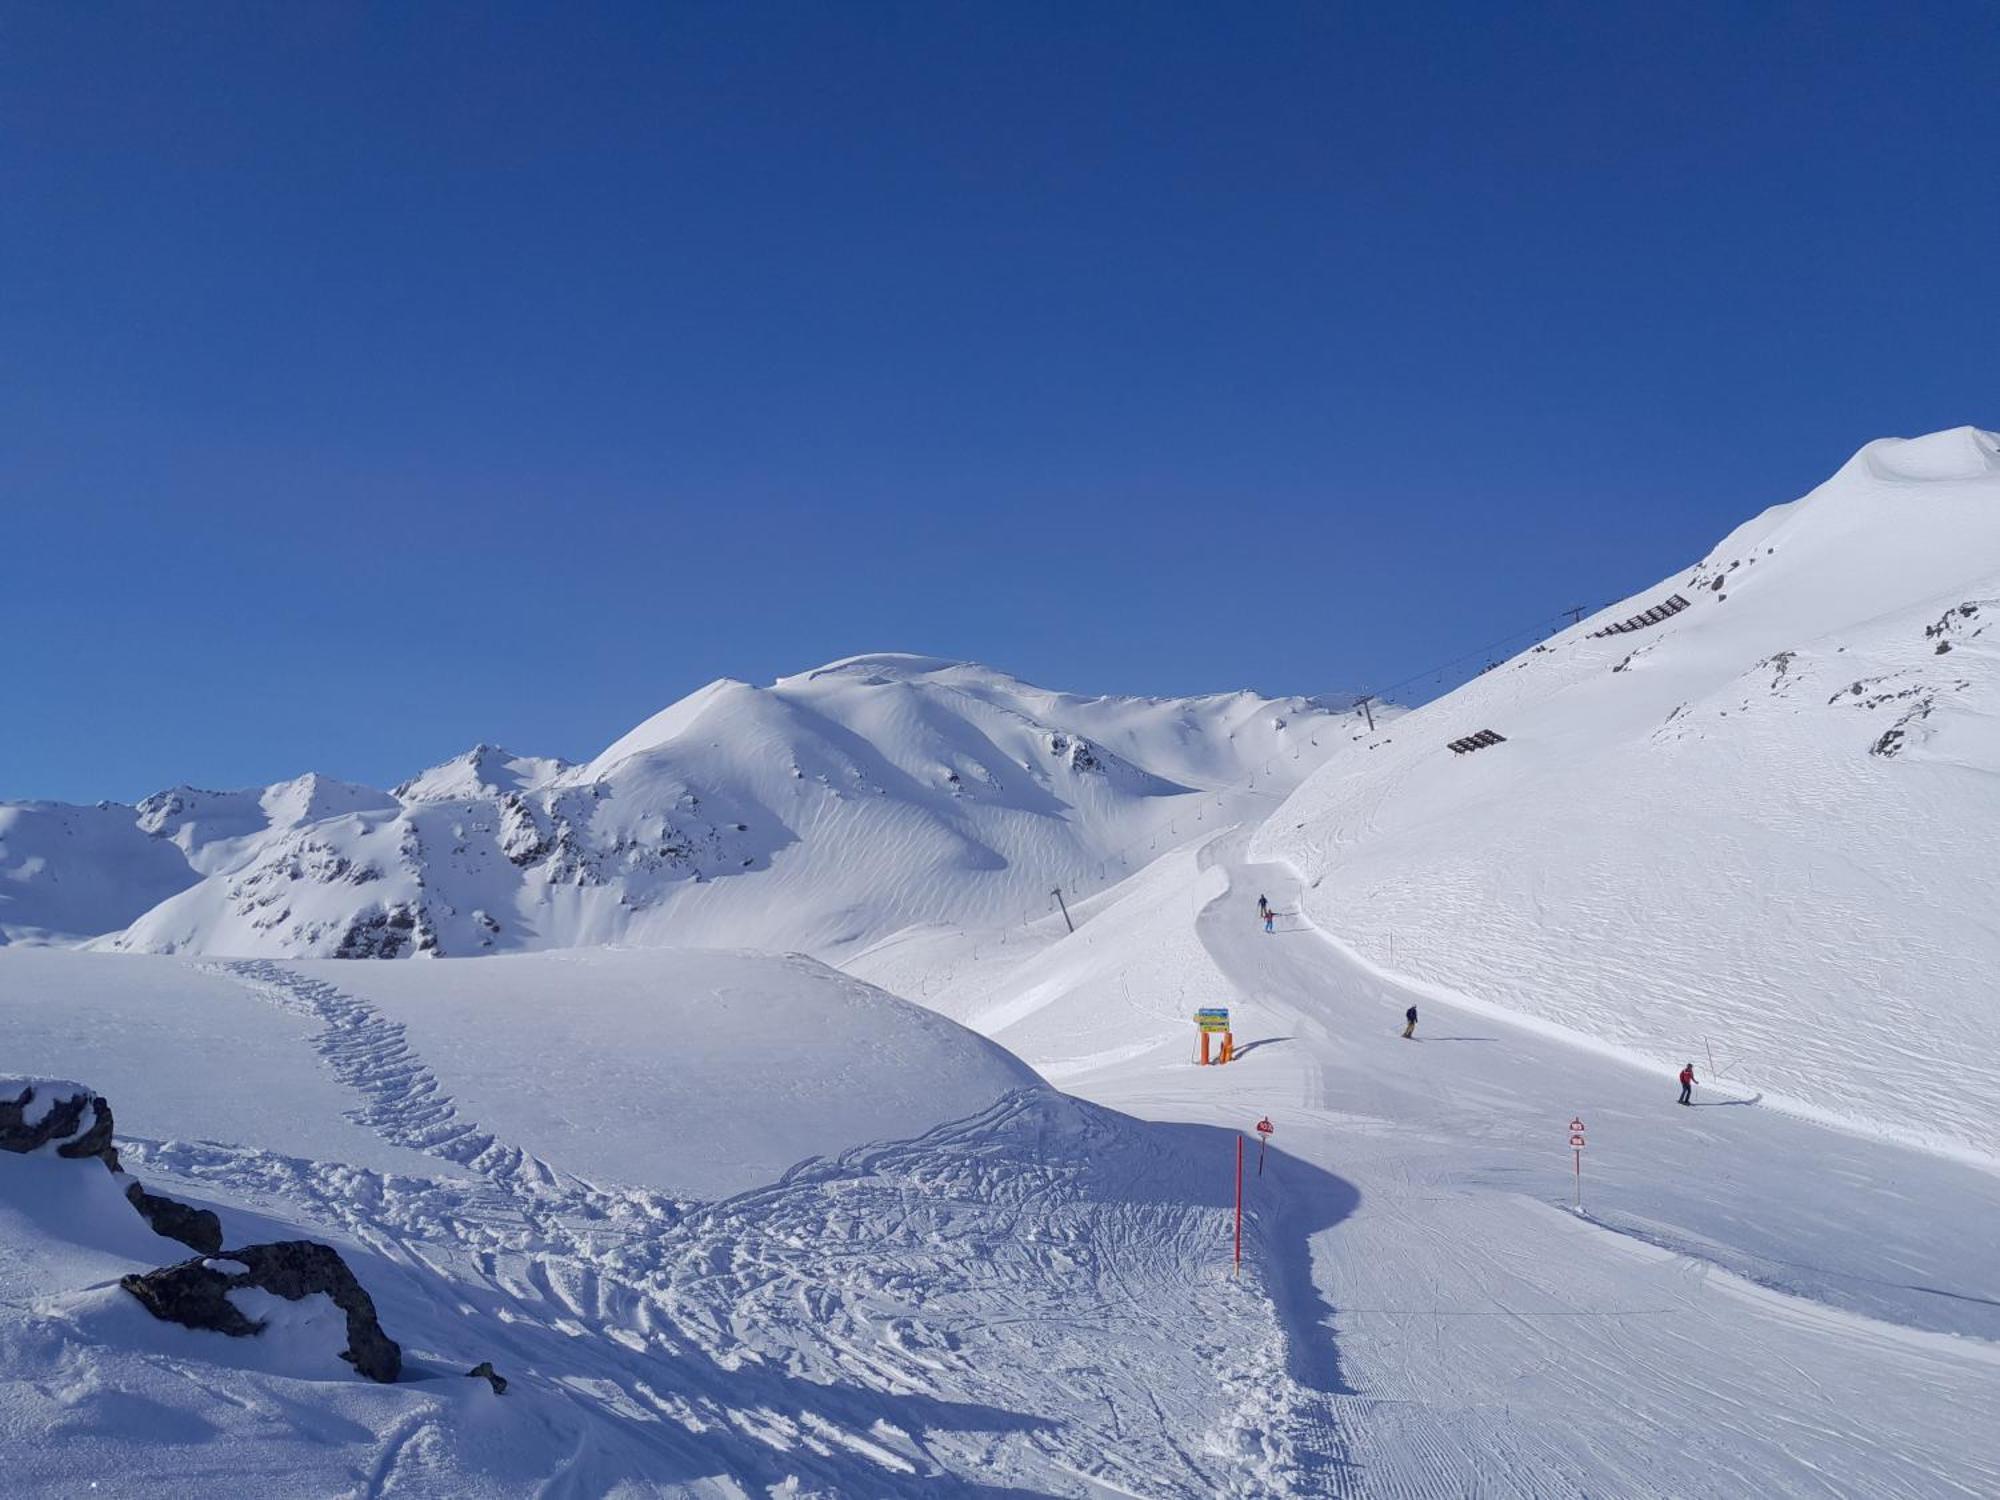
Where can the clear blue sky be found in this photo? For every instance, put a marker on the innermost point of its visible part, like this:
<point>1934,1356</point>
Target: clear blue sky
<point>377,380</point>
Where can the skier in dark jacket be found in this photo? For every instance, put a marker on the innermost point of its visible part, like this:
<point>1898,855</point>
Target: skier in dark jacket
<point>1410,1017</point>
<point>1687,1084</point>
<point>1263,907</point>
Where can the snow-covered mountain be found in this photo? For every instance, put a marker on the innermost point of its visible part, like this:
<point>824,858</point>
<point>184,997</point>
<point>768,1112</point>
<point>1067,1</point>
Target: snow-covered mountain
<point>1751,806</point>
<point>819,813</point>
<point>1750,811</point>
<point>68,872</point>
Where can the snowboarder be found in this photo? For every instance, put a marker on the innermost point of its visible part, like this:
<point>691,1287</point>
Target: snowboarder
<point>1410,1020</point>
<point>1687,1083</point>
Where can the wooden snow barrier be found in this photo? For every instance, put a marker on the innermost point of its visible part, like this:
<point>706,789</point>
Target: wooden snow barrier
<point>1673,606</point>
<point>1477,741</point>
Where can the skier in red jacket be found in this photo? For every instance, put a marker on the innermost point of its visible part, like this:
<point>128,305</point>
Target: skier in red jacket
<point>1687,1083</point>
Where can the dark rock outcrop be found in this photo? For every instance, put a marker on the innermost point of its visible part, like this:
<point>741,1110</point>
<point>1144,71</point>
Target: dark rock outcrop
<point>64,1124</point>
<point>484,1371</point>
<point>195,1295</point>
<point>197,1228</point>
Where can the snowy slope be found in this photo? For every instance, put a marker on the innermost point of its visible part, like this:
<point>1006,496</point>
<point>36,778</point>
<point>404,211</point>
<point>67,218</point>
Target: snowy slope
<point>1751,1304</point>
<point>1762,825</point>
<point>69,872</point>
<point>818,814</point>
<point>720,1070</point>
<point>910,1313</point>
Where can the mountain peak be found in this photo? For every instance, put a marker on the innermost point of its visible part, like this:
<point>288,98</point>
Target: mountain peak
<point>483,771</point>
<point>892,665</point>
<point>1957,453</point>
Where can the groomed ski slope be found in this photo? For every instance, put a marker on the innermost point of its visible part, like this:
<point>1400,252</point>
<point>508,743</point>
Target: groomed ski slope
<point>1763,825</point>
<point>1750,1304</point>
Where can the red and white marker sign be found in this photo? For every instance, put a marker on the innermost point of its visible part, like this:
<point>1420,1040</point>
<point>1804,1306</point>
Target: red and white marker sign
<point>1576,1145</point>
<point>1264,1126</point>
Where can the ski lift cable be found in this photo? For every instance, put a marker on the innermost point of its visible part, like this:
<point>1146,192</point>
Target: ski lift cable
<point>1442,667</point>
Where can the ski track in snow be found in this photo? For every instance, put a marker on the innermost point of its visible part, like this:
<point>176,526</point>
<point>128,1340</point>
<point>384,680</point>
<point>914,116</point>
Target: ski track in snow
<point>1476,1317</point>
<point>918,1317</point>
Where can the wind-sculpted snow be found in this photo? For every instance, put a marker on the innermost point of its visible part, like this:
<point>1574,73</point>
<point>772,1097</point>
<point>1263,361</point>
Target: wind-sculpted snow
<point>1760,829</point>
<point>818,814</point>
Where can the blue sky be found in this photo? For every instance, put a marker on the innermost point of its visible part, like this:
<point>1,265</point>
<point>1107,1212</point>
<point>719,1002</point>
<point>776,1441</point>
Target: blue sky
<point>377,380</point>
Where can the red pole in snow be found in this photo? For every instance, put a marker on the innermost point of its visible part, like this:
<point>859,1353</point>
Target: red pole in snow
<point>1239,1206</point>
<point>1576,1146</point>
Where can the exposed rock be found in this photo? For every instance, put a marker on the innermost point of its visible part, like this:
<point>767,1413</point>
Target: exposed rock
<point>484,1370</point>
<point>195,1295</point>
<point>1078,751</point>
<point>197,1228</point>
<point>62,1122</point>
<point>386,931</point>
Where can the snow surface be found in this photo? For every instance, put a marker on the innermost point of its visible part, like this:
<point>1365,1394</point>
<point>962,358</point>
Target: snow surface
<point>700,1074</point>
<point>68,872</point>
<point>1751,1304</point>
<point>1763,827</point>
<point>168,1044</point>
<point>908,1317</point>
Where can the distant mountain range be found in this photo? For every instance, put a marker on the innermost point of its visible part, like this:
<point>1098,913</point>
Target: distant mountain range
<point>819,813</point>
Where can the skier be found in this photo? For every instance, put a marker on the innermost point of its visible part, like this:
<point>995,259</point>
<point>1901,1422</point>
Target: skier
<point>1410,1017</point>
<point>1263,907</point>
<point>1687,1083</point>
<point>1269,918</point>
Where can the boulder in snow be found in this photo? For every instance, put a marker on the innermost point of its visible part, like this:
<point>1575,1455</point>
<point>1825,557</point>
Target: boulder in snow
<point>76,1122</point>
<point>35,1113</point>
<point>197,1294</point>
<point>484,1371</point>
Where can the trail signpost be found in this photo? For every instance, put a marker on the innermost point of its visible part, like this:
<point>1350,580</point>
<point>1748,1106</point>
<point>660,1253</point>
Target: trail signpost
<point>1264,1129</point>
<point>1576,1146</point>
<point>1214,1021</point>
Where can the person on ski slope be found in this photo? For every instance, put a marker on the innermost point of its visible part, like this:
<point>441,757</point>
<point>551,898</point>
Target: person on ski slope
<point>1269,917</point>
<point>1410,1018</point>
<point>1263,907</point>
<point>1687,1083</point>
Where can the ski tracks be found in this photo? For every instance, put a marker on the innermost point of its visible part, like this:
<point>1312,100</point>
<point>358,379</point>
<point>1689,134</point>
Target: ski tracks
<point>404,1102</point>
<point>1024,1296</point>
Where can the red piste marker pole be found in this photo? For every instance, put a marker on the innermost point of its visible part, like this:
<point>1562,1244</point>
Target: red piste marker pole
<point>1239,1207</point>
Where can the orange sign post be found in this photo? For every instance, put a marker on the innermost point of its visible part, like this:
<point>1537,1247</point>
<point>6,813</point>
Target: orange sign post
<point>1214,1020</point>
